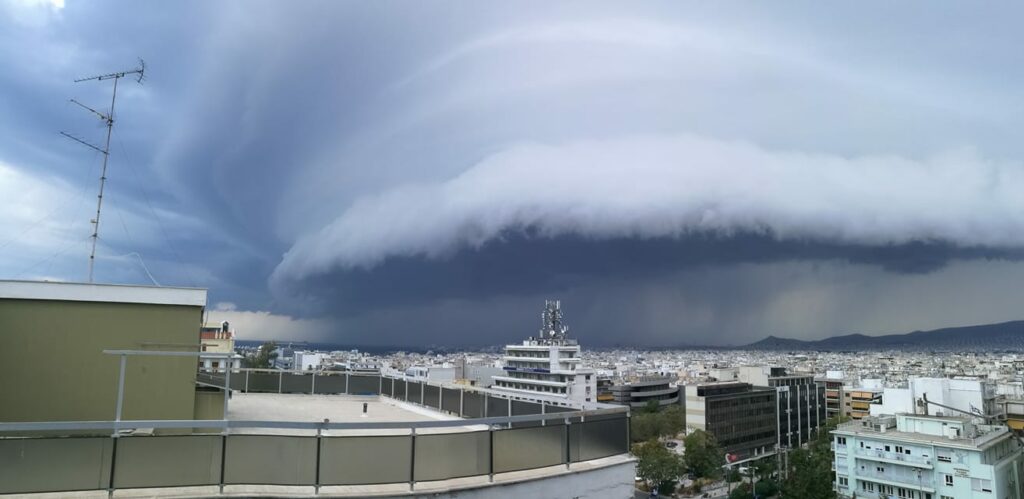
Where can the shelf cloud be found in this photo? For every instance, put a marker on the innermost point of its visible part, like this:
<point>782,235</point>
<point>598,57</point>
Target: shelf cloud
<point>670,187</point>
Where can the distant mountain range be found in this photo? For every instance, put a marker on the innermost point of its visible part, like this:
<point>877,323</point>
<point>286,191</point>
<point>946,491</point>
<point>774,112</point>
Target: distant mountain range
<point>1002,336</point>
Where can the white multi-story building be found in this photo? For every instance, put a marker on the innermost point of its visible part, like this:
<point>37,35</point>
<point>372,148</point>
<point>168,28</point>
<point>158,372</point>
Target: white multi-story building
<point>549,365</point>
<point>926,457</point>
<point>973,395</point>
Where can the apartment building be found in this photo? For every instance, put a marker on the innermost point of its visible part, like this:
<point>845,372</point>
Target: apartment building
<point>926,457</point>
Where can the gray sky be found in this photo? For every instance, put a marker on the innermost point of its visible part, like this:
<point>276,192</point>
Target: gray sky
<point>428,173</point>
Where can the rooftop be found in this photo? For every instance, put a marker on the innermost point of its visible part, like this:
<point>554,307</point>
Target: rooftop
<point>886,427</point>
<point>316,408</point>
<point>107,293</point>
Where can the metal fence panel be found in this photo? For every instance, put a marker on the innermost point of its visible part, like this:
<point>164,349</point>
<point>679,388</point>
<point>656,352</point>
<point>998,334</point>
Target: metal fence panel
<point>472,405</point>
<point>400,387</point>
<point>527,448</point>
<point>415,395</point>
<point>54,464</point>
<point>523,408</point>
<point>496,407</point>
<point>450,400</point>
<point>167,461</point>
<point>238,380</point>
<point>597,439</point>
<point>365,460</point>
<point>297,383</point>
<point>363,385</point>
<point>430,396</point>
<point>270,460</point>
<point>386,386</point>
<point>263,382</point>
<point>451,455</point>
<point>330,383</point>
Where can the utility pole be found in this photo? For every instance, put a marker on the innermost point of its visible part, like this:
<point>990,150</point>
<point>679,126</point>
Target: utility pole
<point>108,118</point>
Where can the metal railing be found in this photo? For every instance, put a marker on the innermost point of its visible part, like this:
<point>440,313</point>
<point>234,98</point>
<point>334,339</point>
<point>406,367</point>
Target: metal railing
<point>498,435</point>
<point>478,447</point>
<point>892,456</point>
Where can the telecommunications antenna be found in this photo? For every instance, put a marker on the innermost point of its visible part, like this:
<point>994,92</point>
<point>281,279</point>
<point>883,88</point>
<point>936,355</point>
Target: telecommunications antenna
<point>108,118</point>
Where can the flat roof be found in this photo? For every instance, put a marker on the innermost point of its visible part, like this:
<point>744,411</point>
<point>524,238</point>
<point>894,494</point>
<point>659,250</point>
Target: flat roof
<point>105,293</point>
<point>336,408</point>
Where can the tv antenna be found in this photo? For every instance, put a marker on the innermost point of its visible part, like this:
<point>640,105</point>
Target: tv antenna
<point>105,150</point>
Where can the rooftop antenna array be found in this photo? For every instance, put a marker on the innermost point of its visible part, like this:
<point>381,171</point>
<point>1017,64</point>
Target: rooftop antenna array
<point>551,320</point>
<point>108,118</point>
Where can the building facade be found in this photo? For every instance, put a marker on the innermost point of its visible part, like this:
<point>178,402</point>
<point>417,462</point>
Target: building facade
<point>71,325</point>
<point>548,365</point>
<point>218,338</point>
<point>926,457</point>
<point>742,418</point>
<point>801,401</point>
<point>639,393</point>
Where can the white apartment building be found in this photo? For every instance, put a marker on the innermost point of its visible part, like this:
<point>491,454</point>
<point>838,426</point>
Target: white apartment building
<point>548,365</point>
<point>926,457</point>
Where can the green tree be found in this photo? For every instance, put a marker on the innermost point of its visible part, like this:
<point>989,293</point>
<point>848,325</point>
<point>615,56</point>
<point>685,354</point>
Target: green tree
<point>673,421</point>
<point>263,358</point>
<point>703,456</point>
<point>742,491</point>
<point>646,424</point>
<point>657,465</point>
<point>810,470</point>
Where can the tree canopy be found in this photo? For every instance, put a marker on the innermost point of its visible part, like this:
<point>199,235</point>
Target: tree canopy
<point>657,465</point>
<point>810,470</point>
<point>649,423</point>
<point>703,456</point>
<point>263,358</point>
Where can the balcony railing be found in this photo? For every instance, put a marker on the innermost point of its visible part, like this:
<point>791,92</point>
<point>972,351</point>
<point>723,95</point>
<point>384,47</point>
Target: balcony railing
<point>498,436</point>
<point>908,479</point>
<point>892,456</point>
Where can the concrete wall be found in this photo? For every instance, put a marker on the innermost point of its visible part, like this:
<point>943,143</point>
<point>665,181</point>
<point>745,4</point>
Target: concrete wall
<point>78,381</point>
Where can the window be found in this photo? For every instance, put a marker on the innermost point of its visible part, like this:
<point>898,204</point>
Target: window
<point>880,469</point>
<point>899,449</point>
<point>943,455</point>
<point>981,485</point>
<point>948,478</point>
<point>886,448</point>
<point>841,440</point>
<point>843,481</point>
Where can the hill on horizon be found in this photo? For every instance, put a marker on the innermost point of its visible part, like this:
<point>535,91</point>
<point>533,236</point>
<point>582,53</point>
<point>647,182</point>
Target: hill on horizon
<point>1003,335</point>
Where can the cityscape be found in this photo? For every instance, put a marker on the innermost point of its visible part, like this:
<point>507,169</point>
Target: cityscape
<point>534,249</point>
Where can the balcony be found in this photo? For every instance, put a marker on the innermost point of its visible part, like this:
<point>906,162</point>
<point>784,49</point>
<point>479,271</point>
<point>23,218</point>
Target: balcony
<point>908,480</point>
<point>892,457</point>
<point>483,439</point>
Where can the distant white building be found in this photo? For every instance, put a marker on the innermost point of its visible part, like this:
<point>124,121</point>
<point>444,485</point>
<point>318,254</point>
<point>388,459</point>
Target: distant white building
<point>548,365</point>
<point>436,374</point>
<point>971,395</point>
<point>306,361</point>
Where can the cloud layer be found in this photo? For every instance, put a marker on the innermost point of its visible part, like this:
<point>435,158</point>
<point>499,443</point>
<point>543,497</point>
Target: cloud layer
<point>671,186</point>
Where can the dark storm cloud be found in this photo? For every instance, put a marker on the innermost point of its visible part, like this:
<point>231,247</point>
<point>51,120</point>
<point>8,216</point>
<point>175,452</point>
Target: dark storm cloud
<point>445,164</point>
<point>524,264</point>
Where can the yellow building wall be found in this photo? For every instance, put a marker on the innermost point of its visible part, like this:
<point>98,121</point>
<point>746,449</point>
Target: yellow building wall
<point>53,367</point>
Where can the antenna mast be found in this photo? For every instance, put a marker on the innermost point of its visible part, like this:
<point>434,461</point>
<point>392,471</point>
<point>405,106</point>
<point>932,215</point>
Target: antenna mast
<point>105,150</point>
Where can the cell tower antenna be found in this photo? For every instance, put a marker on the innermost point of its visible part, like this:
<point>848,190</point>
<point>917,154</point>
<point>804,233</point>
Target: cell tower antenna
<point>108,118</point>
